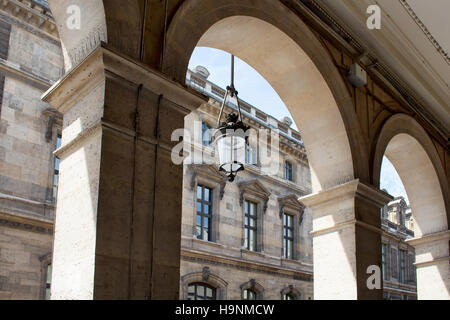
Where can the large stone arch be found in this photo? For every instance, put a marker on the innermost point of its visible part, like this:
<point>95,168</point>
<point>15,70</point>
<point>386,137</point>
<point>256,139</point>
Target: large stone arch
<point>107,21</point>
<point>406,144</point>
<point>272,39</point>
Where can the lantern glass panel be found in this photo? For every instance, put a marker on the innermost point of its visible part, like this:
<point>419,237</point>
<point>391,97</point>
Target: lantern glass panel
<point>231,149</point>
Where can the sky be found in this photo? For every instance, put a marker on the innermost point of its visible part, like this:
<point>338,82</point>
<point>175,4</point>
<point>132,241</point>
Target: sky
<point>251,86</point>
<point>254,89</point>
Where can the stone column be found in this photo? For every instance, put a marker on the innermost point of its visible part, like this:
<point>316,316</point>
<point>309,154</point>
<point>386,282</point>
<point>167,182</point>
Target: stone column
<point>432,265</point>
<point>346,240</point>
<point>118,217</point>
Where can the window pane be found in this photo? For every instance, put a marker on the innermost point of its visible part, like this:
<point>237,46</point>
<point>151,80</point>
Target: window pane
<point>49,274</point>
<point>206,209</point>
<point>199,220</point>
<point>207,193</point>
<point>199,192</point>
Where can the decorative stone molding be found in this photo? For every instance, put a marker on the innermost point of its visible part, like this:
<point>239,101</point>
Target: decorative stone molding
<point>45,260</point>
<point>33,14</point>
<point>255,287</point>
<point>291,291</point>
<point>248,266</point>
<point>293,205</point>
<point>199,277</point>
<point>425,30</point>
<point>54,118</point>
<point>256,189</point>
<point>210,173</point>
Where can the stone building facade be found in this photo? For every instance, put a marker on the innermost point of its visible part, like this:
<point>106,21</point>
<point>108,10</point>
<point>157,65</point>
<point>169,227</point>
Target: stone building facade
<point>31,62</point>
<point>399,274</point>
<point>222,258</point>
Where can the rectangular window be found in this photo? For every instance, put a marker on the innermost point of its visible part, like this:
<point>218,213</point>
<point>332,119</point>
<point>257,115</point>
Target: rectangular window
<point>402,275</point>
<point>288,171</point>
<point>206,134</point>
<point>250,225</point>
<point>48,281</point>
<point>383,260</point>
<point>56,170</point>
<point>288,236</point>
<point>204,213</point>
<point>5,32</point>
<point>251,155</point>
<point>411,269</point>
<point>394,263</point>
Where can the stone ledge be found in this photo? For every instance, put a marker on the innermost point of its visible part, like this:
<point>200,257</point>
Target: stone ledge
<point>429,238</point>
<point>195,256</point>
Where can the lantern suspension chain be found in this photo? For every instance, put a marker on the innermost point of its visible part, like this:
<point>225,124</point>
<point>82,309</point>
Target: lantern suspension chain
<point>231,91</point>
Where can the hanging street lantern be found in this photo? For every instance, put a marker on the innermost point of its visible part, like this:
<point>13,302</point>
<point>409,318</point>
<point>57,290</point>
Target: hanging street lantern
<point>231,138</point>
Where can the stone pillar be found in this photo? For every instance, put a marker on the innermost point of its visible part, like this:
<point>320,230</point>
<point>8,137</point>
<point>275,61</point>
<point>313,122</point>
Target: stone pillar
<point>346,240</point>
<point>118,217</point>
<point>432,265</point>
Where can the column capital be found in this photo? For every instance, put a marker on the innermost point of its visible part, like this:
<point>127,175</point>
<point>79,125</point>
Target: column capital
<point>79,81</point>
<point>348,190</point>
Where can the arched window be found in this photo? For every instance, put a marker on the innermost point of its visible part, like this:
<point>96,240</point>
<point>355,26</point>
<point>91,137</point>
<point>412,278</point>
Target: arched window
<point>201,291</point>
<point>249,294</point>
<point>252,290</point>
<point>290,293</point>
<point>288,296</point>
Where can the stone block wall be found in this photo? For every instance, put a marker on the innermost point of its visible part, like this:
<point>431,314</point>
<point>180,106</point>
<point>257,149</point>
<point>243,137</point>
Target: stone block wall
<point>27,141</point>
<point>22,270</point>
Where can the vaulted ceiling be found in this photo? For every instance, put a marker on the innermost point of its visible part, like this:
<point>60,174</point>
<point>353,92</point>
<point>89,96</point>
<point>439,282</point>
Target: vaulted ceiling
<point>413,42</point>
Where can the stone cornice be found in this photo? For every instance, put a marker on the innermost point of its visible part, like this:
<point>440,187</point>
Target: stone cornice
<point>425,30</point>
<point>92,71</point>
<point>13,70</point>
<point>334,30</point>
<point>32,14</point>
<point>250,266</point>
<point>350,189</point>
<point>429,238</point>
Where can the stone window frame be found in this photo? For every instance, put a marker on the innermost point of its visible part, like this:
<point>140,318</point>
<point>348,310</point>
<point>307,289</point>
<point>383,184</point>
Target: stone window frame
<point>255,192</point>
<point>207,277</point>
<point>207,128</point>
<point>286,163</point>
<point>292,206</point>
<point>291,290</point>
<point>254,286</point>
<point>54,128</point>
<point>385,271</point>
<point>45,260</point>
<point>402,272</point>
<point>394,263</point>
<point>208,176</point>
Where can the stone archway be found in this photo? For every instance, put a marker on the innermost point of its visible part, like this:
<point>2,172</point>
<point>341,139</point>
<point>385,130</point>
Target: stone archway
<point>406,144</point>
<point>270,38</point>
<point>117,146</point>
<point>274,41</point>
